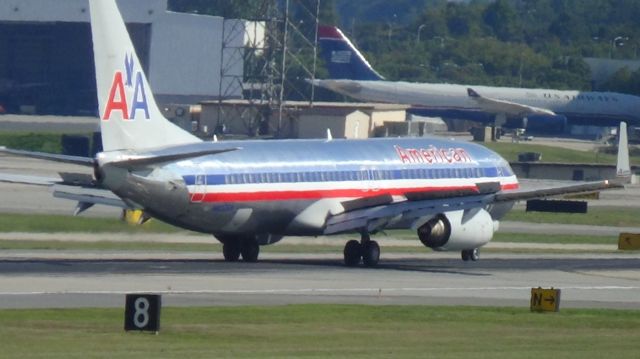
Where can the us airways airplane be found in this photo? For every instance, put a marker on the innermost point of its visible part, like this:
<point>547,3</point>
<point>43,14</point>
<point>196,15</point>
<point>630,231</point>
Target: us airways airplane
<point>542,109</point>
<point>253,193</point>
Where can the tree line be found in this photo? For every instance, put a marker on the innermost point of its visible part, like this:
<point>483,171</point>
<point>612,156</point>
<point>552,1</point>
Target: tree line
<point>519,43</point>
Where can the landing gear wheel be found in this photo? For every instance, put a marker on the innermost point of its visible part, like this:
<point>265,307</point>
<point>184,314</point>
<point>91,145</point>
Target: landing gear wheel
<point>250,251</point>
<point>465,255</point>
<point>352,253</point>
<point>370,253</point>
<point>475,254</point>
<point>471,255</point>
<point>231,252</point>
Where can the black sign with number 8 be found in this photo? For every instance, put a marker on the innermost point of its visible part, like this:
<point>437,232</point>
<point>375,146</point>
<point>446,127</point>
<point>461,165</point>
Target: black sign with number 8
<point>142,312</point>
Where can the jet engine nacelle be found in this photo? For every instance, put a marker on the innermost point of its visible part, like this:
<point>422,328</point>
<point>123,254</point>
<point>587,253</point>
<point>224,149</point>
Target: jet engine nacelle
<point>458,230</point>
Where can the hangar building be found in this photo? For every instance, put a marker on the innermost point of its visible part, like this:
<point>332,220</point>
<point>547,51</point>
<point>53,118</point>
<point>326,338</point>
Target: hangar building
<point>46,57</point>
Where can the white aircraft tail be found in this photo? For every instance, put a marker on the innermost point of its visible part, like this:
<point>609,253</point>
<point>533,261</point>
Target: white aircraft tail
<point>622,167</point>
<point>129,116</point>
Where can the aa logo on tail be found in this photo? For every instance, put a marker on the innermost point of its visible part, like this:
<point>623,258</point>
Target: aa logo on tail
<point>131,84</point>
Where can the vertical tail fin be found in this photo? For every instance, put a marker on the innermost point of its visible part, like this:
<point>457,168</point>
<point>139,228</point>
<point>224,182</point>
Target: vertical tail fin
<point>343,60</point>
<point>622,167</point>
<point>129,116</point>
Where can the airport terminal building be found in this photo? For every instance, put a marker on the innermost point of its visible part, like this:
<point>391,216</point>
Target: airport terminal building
<point>46,58</point>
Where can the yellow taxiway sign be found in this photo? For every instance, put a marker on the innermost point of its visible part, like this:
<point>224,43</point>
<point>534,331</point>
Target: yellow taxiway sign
<point>545,300</point>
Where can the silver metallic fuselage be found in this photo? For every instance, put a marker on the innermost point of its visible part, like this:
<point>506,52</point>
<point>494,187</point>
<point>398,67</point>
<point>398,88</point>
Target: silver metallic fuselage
<point>291,187</point>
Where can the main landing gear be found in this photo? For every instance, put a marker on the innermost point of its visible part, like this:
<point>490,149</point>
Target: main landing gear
<point>471,255</point>
<point>233,249</point>
<point>366,249</point>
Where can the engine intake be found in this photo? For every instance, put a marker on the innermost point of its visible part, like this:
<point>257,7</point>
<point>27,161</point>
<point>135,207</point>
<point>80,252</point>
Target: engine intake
<point>458,230</point>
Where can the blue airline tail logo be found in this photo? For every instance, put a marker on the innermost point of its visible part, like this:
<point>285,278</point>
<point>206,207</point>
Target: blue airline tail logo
<point>342,59</point>
<point>118,101</point>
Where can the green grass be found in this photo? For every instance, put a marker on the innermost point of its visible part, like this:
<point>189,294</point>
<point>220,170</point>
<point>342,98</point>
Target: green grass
<point>553,238</point>
<point>596,216</point>
<point>44,223</point>
<point>510,152</point>
<point>324,331</point>
<point>41,142</point>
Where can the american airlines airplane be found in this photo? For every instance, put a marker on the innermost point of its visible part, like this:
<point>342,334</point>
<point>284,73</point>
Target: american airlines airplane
<point>542,109</point>
<point>253,193</point>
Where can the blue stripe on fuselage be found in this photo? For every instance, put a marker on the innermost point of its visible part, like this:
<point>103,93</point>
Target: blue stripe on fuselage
<point>343,176</point>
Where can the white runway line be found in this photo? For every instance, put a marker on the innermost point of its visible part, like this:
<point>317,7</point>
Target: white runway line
<point>319,290</point>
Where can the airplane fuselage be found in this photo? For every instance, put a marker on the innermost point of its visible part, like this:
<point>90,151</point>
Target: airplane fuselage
<point>451,100</point>
<point>291,187</point>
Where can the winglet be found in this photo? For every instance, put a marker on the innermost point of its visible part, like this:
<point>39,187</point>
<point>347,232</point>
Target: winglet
<point>329,136</point>
<point>623,170</point>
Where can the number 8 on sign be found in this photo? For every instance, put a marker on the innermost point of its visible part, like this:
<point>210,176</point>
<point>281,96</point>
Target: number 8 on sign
<point>141,316</point>
<point>142,312</point>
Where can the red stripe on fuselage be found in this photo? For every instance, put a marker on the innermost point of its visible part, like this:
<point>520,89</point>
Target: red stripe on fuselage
<point>328,193</point>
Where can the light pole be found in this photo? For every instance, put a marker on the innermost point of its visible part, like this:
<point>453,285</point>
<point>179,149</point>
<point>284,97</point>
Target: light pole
<point>614,43</point>
<point>418,35</point>
<point>390,23</point>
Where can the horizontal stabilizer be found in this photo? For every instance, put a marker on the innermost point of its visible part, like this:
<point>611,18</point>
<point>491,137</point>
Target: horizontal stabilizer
<point>137,162</point>
<point>88,195</point>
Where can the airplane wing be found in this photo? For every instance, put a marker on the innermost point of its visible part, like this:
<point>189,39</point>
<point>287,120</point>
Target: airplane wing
<point>401,214</point>
<point>507,107</point>
<point>392,215</point>
<point>534,189</point>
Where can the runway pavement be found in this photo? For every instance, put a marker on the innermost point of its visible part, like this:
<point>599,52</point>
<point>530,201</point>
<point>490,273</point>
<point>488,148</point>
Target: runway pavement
<point>200,279</point>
